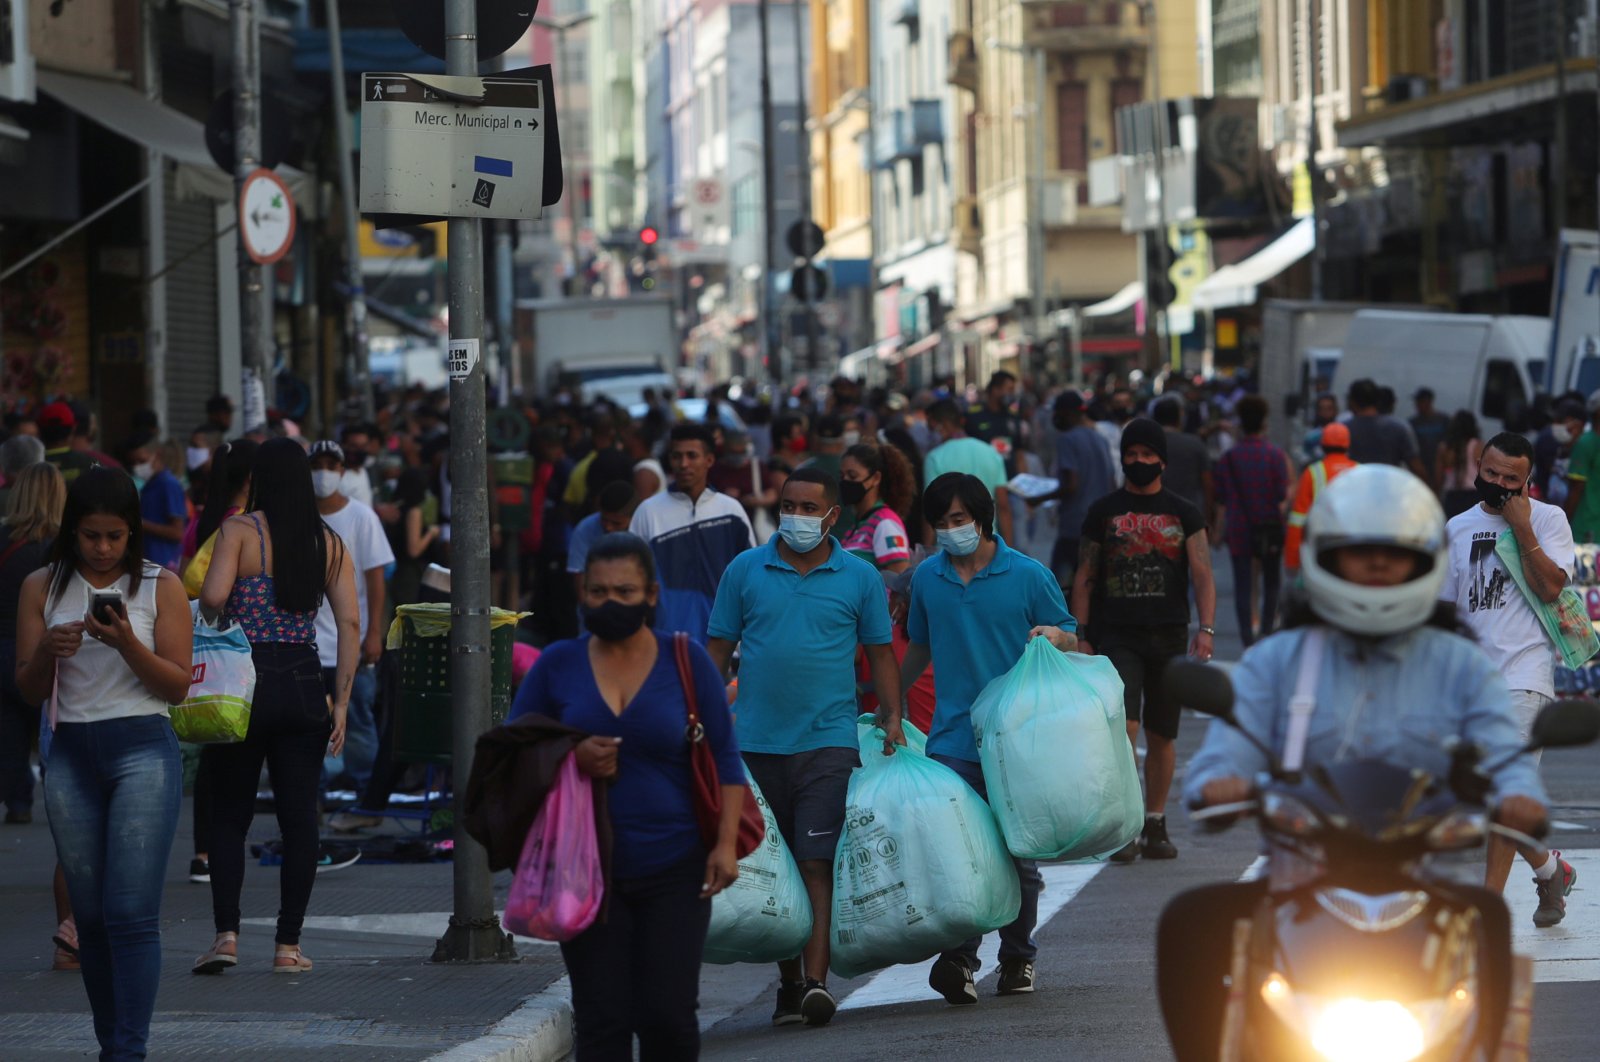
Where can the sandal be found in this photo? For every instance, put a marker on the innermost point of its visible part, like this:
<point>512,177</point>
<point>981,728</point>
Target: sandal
<point>216,960</point>
<point>66,937</point>
<point>290,961</point>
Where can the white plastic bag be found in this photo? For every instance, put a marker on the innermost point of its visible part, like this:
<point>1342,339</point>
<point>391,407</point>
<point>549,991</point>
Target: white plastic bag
<point>765,915</point>
<point>222,686</point>
<point>920,865</point>
<point>1053,740</point>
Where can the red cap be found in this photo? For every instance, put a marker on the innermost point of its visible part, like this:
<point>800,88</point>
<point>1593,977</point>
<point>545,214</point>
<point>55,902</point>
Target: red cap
<point>56,414</point>
<point>1336,436</point>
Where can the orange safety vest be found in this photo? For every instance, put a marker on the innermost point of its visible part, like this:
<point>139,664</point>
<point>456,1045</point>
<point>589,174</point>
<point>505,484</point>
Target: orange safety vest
<point>1312,480</point>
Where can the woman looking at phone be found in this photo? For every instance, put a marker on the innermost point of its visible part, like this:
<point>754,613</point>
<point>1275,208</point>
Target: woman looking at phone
<point>115,782</point>
<point>291,723</point>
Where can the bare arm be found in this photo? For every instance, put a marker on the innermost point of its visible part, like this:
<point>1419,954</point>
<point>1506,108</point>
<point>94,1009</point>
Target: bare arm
<point>1545,577</point>
<point>886,680</point>
<point>1002,505</point>
<point>171,531</point>
<point>417,539</point>
<point>1574,496</point>
<point>1083,583</point>
<point>167,670</point>
<point>915,662</point>
<point>39,648</point>
<point>224,570</point>
<point>721,651</point>
<point>372,645</point>
<point>1205,590</point>
<point>341,592</point>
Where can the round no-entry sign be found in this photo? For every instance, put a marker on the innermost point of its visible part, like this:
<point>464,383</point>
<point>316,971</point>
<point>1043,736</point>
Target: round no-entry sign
<point>266,217</point>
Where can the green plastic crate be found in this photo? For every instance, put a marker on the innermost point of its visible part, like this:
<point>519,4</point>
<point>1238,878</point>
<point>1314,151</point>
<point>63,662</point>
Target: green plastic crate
<point>423,723</point>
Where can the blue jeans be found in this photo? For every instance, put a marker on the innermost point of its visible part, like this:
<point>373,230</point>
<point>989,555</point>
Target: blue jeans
<point>1016,940</point>
<point>113,794</point>
<point>360,729</point>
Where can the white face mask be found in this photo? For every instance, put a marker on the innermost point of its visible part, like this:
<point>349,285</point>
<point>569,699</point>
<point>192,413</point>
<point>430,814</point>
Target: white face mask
<point>325,482</point>
<point>144,470</point>
<point>1562,433</point>
<point>851,438</point>
<point>197,457</point>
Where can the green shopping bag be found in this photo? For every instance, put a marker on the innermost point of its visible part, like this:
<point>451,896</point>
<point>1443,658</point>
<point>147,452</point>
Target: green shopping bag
<point>1565,620</point>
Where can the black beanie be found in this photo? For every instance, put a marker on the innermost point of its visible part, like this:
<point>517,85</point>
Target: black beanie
<point>1143,431</point>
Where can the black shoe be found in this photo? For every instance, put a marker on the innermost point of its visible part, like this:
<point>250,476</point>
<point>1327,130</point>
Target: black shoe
<point>790,996</point>
<point>818,1005</point>
<point>18,818</point>
<point>953,981</point>
<point>1156,845</point>
<point>1016,977</point>
<point>199,871</point>
<point>1127,853</point>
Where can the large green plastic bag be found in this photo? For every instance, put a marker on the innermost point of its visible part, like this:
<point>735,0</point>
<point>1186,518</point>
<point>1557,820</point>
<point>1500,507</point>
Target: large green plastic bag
<point>765,915</point>
<point>920,865</point>
<point>1053,741</point>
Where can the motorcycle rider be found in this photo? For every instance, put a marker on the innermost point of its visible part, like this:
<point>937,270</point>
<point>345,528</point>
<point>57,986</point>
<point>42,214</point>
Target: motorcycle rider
<point>1395,683</point>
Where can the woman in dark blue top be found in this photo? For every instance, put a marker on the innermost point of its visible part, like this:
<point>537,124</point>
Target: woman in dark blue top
<point>637,973</point>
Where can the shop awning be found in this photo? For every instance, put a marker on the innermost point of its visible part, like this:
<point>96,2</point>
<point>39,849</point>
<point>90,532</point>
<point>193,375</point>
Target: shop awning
<point>1121,302</point>
<point>1515,106</point>
<point>129,114</point>
<point>1236,285</point>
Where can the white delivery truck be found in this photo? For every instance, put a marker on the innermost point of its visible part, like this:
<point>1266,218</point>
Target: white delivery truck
<point>600,348</point>
<point>1490,365</point>
<point>1301,343</point>
<point>1575,315</point>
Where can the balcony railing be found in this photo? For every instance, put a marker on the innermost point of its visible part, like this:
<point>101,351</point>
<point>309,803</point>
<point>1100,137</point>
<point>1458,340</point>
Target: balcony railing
<point>903,132</point>
<point>962,69</point>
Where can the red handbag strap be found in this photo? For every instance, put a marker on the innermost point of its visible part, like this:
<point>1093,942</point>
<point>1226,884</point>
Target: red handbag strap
<point>12,549</point>
<point>694,733</point>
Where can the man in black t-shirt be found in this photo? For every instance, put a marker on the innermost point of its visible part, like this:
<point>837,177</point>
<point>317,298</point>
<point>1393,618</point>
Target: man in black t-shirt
<point>993,421</point>
<point>1141,547</point>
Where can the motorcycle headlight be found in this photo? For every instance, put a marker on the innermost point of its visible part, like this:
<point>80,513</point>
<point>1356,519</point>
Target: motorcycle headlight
<point>1457,830</point>
<point>1288,815</point>
<point>1368,1030</point>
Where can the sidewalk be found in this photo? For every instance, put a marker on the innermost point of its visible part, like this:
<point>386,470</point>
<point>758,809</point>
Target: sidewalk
<point>373,994</point>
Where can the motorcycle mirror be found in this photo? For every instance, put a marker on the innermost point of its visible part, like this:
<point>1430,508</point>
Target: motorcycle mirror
<point>1203,687</point>
<point>1565,724</point>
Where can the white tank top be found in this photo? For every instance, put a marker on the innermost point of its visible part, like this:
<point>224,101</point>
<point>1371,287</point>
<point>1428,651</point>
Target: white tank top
<point>95,683</point>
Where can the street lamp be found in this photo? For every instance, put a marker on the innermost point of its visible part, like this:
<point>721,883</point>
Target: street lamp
<point>560,26</point>
<point>1035,179</point>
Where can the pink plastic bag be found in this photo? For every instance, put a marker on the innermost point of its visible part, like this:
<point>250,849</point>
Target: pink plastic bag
<point>557,891</point>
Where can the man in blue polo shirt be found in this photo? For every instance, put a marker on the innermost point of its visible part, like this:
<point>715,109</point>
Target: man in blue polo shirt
<point>974,606</point>
<point>798,607</point>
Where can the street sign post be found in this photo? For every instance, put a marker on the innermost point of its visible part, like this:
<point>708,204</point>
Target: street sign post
<point>709,203</point>
<point>460,147</point>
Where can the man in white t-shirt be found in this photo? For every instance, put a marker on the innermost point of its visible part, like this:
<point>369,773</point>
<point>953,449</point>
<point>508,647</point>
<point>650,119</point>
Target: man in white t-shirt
<point>1490,604</point>
<point>362,533</point>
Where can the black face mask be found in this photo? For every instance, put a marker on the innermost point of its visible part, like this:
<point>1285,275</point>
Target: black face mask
<point>355,459</point>
<point>852,491</point>
<point>1122,416</point>
<point>1493,494</point>
<point>614,621</point>
<point>1141,473</point>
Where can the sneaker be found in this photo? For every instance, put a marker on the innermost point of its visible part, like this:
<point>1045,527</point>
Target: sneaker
<point>349,822</point>
<point>1127,853</point>
<point>1553,894</point>
<point>790,996</point>
<point>199,871</point>
<point>953,981</point>
<point>818,1005</point>
<point>1155,844</point>
<point>336,857</point>
<point>1016,977</point>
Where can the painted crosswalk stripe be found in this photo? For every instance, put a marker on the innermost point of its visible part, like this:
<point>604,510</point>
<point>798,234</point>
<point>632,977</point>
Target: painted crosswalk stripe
<point>909,984</point>
<point>427,924</point>
<point>1569,951</point>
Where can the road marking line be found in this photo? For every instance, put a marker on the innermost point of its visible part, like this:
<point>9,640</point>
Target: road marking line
<point>1570,951</point>
<point>909,984</point>
<point>429,925</point>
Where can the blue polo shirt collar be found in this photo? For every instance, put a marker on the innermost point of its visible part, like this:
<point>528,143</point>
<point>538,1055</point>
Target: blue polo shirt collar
<point>998,566</point>
<point>771,558</point>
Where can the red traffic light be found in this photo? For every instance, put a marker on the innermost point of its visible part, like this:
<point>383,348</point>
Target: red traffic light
<point>648,236</point>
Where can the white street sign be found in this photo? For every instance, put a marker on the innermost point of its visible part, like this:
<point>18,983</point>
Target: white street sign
<point>424,151</point>
<point>708,207</point>
<point>266,217</point>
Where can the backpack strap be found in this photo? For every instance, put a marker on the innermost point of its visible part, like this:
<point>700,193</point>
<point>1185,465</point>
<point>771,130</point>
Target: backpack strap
<point>1304,701</point>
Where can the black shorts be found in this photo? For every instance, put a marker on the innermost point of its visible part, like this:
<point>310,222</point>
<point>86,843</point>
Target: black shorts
<point>806,793</point>
<point>1140,655</point>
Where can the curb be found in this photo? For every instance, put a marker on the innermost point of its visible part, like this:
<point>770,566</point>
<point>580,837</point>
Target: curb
<point>538,1031</point>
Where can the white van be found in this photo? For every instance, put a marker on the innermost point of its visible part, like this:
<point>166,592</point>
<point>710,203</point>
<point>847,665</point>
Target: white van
<point>1490,365</point>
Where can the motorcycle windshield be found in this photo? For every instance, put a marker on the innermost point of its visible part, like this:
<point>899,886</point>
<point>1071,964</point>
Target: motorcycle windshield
<point>1377,801</point>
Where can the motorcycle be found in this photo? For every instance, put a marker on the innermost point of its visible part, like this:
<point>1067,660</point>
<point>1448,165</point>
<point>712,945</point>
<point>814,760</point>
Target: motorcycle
<point>1356,952</point>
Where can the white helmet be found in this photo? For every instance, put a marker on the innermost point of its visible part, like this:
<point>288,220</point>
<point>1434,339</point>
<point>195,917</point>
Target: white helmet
<point>1374,505</point>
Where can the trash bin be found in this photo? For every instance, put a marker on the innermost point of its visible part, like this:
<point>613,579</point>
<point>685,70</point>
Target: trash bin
<point>423,724</point>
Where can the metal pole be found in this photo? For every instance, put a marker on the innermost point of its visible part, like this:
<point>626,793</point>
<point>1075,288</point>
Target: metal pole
<point>1163,137</point>
<point>1558,174</point>
<point>255,347</point>
<point>813,341</point>
<point>1313,137</point>
<point>571,192</point>
<point>474,932</point>
<point>155,233</point>
<point>504,308</point>
<point>358,373</point>
<point>769,199</point>
<point>1036,173</point>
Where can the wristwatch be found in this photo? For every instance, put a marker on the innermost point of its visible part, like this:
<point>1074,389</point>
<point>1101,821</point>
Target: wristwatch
<point>1209,630</point>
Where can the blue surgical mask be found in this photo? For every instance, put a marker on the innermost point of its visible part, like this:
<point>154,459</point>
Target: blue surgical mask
<point>959,541</point>
<point>802,533</point>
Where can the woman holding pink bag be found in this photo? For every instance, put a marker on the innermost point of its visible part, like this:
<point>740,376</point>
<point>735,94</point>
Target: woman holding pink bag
<point>636,971</point>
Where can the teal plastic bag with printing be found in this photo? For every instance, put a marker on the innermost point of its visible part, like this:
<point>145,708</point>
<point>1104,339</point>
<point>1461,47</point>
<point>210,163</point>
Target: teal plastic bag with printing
<point>765,915</point>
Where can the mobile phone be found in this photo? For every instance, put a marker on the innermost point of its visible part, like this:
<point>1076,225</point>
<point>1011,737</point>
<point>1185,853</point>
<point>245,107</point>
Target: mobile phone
<point>104,602</point>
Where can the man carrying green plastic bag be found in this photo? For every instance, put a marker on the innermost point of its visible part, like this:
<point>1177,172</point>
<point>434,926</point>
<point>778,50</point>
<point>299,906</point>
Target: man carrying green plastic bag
<point>974,607</point>
<point>920,865</point>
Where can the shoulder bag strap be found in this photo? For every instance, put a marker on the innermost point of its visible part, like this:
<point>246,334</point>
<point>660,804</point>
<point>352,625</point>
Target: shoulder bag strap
<point>1304,701</point>
<point>680,652</point>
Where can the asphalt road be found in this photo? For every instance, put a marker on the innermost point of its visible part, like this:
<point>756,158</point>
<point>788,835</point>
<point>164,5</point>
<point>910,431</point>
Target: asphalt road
<point>1096,968</point>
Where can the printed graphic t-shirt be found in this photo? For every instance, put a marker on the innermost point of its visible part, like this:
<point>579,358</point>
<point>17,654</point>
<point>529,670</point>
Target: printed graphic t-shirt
<point>1143,578</point>
<point>1488,601</point>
